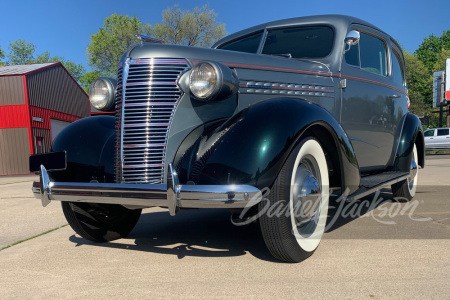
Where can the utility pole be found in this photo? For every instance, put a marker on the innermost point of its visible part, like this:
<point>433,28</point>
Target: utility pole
<point>441,94</point>
<point>447,89</point>
<point>448,110</point>
<point>441,106</point>
<point>448,114</point>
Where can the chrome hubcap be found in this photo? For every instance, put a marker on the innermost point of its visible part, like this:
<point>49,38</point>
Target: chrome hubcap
<point>306,196</point>
<point>412,173</point>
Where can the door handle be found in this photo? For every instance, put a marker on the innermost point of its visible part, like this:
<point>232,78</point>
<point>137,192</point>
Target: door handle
<point>394,96</point>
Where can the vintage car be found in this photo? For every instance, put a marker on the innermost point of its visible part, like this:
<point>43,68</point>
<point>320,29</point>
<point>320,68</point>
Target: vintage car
<point>268,123</point>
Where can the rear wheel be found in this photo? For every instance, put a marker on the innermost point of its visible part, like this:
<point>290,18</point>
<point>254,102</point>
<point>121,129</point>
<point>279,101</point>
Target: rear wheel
<point>294,215</point>
<point>100,222</point>
<point>406,189</point>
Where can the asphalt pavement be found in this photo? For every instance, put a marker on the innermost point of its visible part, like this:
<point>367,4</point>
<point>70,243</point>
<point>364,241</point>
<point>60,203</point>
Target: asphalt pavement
<point>374,249</point>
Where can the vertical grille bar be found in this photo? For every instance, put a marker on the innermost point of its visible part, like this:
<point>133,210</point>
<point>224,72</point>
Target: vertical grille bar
<point>146,98</point>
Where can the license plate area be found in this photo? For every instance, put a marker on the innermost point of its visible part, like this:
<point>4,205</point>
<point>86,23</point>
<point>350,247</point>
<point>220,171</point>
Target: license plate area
<point>52,161</point>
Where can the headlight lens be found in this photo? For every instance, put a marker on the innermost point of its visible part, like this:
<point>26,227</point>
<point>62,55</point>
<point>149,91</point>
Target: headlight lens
<point>203,80</point>
<point>101,94</point>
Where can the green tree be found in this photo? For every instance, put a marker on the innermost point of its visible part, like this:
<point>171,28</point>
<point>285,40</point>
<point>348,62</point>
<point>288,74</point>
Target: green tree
<point>21,52</point>
<point>197,27</point>
<point>115,37</point>
<point>87,78</point>
<point>76,70</point>
<point>2,56</point>
<point>430,48</point>
<point>43,58</point>
<point>420,86</point>
<point>441,59</point>
<point>420,80</point>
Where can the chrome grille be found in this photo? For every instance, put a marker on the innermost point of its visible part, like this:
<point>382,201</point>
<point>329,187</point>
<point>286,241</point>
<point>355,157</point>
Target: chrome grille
<point>146,98</point>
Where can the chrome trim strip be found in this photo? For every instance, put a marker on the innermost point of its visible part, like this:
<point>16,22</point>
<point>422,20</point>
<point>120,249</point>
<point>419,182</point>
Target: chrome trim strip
<point>262,41</point>
<point>172,196</point>
<point>157,61</point>
<point>126,69</point>
<point>173,191</point>
<point>45,187</point>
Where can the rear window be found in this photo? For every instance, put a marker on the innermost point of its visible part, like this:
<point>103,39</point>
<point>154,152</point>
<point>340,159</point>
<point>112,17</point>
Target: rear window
<point>300,42</point>
<point>398,75</point>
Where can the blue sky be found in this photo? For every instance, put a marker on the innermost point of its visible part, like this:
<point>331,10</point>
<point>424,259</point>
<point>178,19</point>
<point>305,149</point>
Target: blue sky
<point>64,27</point>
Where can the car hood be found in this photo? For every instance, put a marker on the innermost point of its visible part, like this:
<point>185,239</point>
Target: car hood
<point>230,58</point>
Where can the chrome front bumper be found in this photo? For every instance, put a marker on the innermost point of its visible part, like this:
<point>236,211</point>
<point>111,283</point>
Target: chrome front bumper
<point>173,195</point>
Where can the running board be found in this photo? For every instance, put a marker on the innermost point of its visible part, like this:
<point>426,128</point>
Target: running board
<point>371,184</point>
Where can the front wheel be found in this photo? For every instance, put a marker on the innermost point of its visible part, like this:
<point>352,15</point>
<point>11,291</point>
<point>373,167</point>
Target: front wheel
<point>100,222</point>
<point>406,189</point>
<point>294,215</point>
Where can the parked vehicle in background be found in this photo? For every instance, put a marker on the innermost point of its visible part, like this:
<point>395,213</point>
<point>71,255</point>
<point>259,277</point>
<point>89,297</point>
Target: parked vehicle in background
<point>300,107</point>
<point>437,139</point>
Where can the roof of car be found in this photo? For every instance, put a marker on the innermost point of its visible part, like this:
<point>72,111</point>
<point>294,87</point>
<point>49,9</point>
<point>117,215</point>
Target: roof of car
<point>336,20</point>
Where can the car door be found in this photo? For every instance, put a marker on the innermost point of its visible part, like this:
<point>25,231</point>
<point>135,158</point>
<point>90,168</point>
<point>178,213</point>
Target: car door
<point>430,139</point>
<point>373,104</point>
<point>442,139</point>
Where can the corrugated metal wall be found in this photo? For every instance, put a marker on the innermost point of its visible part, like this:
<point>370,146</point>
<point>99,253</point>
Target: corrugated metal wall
<point>46,135</point>
<point>14,116</point>
<point>11,90</point>
<point>14,151</point>
<point>54,89</point>
<point>46,115</point>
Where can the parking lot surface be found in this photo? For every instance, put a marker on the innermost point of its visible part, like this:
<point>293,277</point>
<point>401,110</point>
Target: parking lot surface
<point>387,250</point>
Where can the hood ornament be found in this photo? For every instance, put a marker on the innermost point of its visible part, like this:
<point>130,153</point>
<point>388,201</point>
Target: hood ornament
<point>147,39</point>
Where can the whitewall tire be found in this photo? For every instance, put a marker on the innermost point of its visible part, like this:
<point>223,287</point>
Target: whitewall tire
<point>293,217</point>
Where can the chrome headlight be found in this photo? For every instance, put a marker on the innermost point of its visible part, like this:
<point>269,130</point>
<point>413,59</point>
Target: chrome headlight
<point>203,80</point>
<point>101,93</point>
<point>212,81</point>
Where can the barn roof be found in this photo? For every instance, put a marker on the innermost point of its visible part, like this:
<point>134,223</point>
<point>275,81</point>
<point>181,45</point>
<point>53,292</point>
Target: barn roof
<point>23,69</point>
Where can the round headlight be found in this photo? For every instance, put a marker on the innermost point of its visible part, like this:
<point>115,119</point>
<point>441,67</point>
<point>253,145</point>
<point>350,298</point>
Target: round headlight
<point>101,93</point>
<point>203,80</point>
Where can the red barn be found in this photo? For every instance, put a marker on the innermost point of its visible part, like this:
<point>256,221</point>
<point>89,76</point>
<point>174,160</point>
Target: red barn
<point>36,102</point>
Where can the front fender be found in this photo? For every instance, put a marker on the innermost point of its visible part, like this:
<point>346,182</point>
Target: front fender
<point>412,133</point>
<point>89,144</point>
<point>252,146</point>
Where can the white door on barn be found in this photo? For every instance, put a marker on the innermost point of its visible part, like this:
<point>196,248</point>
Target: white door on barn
<point>57,126</point>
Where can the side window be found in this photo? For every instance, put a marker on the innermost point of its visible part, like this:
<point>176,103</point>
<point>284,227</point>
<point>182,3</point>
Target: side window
<point>429,133</point>
<point>369,55</point>
<point>441,132</point>
<point>247,44</point>
<point>398,74</point>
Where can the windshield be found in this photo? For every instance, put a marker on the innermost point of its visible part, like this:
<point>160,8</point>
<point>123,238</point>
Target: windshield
<point>292,42</point>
